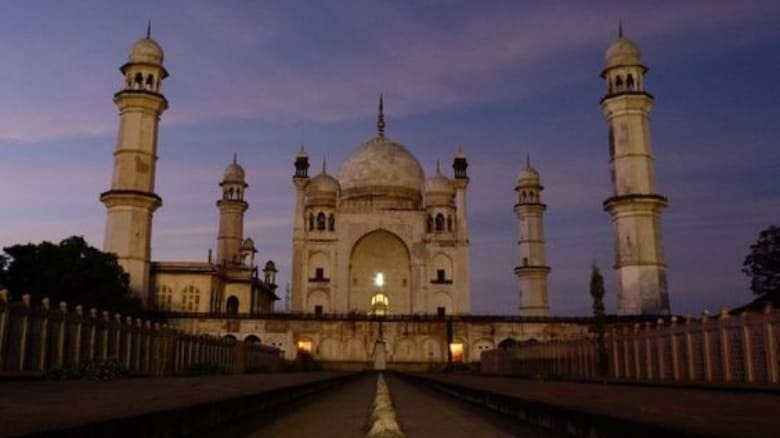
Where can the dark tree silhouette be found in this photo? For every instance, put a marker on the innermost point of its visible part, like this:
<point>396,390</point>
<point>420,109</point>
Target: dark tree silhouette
<point>599,320</point>
<point>70,271</point>
<point>762,264</point>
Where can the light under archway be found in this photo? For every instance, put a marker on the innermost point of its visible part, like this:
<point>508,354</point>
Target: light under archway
<point>380,251</point>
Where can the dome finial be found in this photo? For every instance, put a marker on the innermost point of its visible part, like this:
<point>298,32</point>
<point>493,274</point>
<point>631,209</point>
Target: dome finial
<point>149,29</point>
<point>527,161</point>
<point>323,165</point>
<point>380,122</point>
<point>235,158</point>
<point>620,28</point>
<point>438,168</point>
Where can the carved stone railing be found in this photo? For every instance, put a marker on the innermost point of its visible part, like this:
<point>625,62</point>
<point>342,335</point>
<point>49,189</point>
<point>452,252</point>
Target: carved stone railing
<point>726,349</point>
<point>34,339</point>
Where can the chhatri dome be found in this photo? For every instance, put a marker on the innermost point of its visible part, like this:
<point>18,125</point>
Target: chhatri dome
<point>146,50</point>
<point>622,52</point>
<point>322,189</point>
<point>381,167</point>
<point>439,184</point>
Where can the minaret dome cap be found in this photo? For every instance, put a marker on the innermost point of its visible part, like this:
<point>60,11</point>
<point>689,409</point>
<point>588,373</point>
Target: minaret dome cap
<point>146,51</point>
<point>234,173</point>
<point>622,52</point>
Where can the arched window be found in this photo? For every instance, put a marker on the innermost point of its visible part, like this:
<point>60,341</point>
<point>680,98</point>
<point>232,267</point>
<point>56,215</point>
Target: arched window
<point>320,221</point>
<point>232,305</point>
<point>449,223</point>
<point>523,195</point>
<point>630,82</point>
<point>190,298</point>
<point>138,81</point>
<point>164,297</point>
<point>311,221</point>
<point>331,222</point>
<point>439,222</point>
<point>149,82</point>
<point>532,196</point>
<point>430,223</point>
<point>525,261</point>
<point>252,339</point>
<point>238,194</point>
<point>619,84</point>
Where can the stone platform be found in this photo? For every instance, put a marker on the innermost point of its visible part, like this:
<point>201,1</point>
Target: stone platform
<point>620,409</point>
<point>148,407</point>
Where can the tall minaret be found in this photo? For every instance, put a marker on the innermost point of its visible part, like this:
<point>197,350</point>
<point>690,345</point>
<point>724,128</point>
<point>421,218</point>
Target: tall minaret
<point>635,204</point>
<point>462,270</point>
<point>131,201</point>
<point>533,270</point>
<point>300,179</point>
<point>231,215</point>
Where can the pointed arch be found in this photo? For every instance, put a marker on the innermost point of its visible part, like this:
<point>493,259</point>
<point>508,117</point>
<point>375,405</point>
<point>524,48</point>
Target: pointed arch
<point>380,251</point>
<point>439,222</point>
<point>321,221</point>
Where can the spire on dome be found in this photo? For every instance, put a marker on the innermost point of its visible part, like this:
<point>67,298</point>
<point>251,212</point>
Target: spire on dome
<point>438,168</point>
<point>323,165</point>
<point>620,28</point>
<point>527,161</point>
<point>235,158</point>
<point>380,122</point>
<point>149,29</point>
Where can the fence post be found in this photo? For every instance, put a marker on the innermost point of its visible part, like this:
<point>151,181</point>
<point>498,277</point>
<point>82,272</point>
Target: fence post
<point>106,333</point>
<point>61,334</point>
<point>705,318</point>
<point>45,313</point>
<point>4,310</point>
<point>771,344</point>
<point>79,326</point>
<point>635,350</point>
<point>675,350</point>
<point>689,348</point>
<point>118,337</point>
<point>659,347</point>
<point>725,351</point>
<point>615,357</point>
<point>25,329</point>
<point>649,350</point>
<point>747,347</point>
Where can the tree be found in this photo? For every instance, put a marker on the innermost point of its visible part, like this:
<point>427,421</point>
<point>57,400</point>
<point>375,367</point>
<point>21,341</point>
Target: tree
<point>599,320</point>
<point>70,271</point>
<point>762,264</point>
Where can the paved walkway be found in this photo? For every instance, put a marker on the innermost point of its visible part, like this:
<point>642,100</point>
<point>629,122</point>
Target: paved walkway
<point>28,407</point>
<point>424,413</point>
<point>709,412</point>
<point>340,413</point>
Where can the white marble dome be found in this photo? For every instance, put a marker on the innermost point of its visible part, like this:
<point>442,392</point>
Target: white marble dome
<point>146,51</point>
<point>379,167</point>
<point>622,52</point>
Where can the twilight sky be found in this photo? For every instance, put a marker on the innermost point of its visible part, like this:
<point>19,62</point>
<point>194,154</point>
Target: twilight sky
<point>503,79</point>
